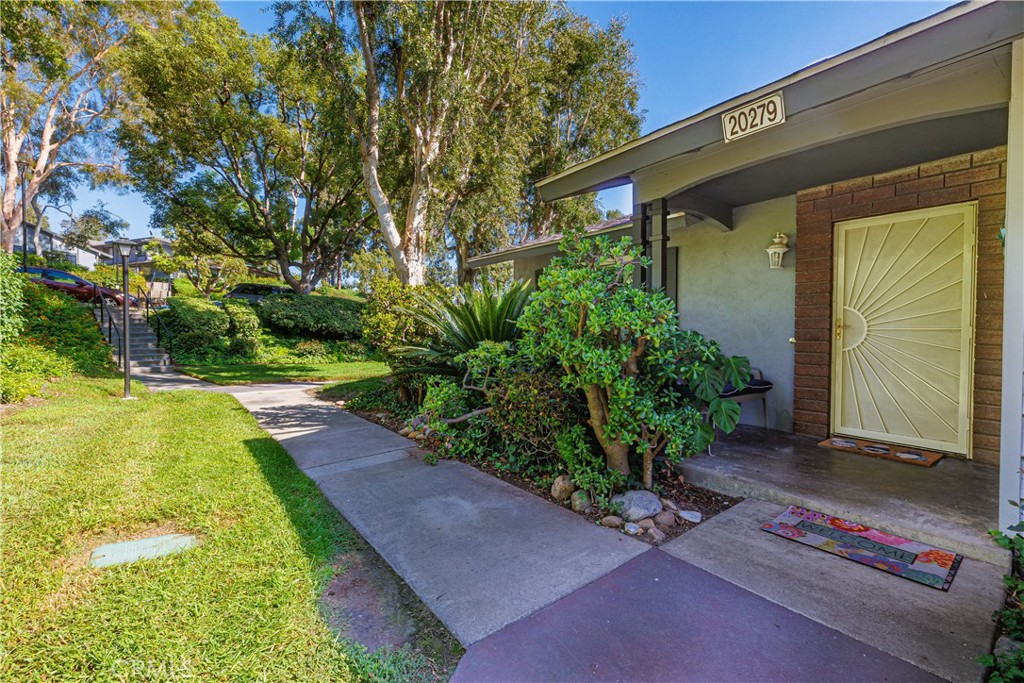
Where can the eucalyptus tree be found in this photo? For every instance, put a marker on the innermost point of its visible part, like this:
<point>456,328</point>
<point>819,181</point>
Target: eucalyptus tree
<point>62,95</point>
<point>589,103</point>
<point>237,148</point>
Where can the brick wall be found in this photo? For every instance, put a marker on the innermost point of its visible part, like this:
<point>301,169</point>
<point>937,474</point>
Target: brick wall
<point>979,176</point>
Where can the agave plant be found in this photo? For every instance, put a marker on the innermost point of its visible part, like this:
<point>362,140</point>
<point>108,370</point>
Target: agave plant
<point>457,324</point>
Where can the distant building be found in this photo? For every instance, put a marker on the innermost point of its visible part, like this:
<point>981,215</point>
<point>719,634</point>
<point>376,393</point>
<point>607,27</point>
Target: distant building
<point>50,241</point>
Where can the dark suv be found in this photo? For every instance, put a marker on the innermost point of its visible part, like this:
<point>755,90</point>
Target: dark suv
<point>254,293</point>
<point>75,286</point>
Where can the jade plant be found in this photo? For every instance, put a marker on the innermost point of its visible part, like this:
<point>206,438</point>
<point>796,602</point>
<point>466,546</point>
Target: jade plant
<point>650,387</point>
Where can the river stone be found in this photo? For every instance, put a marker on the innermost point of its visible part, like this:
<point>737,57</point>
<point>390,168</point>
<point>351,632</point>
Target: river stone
<point>665,518</point>
<point>646,523</point>
<point>637,505</point>
<point>405,431</point>
<point>580,501</point>
<point>562,488</point>
<point>669,505</point>
<point>611,521</point>
<point>657,535</point>
<point>691,516</point>
<point>631,529</point>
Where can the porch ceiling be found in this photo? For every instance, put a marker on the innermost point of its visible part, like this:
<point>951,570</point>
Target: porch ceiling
<point>852,158</point>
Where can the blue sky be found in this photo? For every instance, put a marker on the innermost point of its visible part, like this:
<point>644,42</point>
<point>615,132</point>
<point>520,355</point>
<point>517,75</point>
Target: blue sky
<point>690,56</point>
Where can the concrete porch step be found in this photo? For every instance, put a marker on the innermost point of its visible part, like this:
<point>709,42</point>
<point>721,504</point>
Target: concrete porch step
<point>951,505</point>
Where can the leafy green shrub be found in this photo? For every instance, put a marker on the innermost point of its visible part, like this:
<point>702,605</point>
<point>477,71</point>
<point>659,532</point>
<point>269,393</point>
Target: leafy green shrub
<point>55,321</point>
<point>386,325</point>
<point>243,326</point>
<point>111,277</point>
<point>59,337</point>
<point>26,366</point>
<point>197,325</point>
<point>313,315</point>
<point>12,299</point>
<point>648,384</point>
<point>587,468</point>
<point>1010,665</point>
<point>17,386</point>
<point>458,324</point>
<point>184,289</point>
<point>37,360</point>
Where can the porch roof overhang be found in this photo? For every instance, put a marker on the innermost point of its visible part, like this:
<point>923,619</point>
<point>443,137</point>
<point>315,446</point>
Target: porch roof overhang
<point>615,227</point>
<point>935,88</point>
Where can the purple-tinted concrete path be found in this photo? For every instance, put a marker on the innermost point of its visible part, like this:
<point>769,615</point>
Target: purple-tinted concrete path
<point>537,593</point>
<point>657,618</point>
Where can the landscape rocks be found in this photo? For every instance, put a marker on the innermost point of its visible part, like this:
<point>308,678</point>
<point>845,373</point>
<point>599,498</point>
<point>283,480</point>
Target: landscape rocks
<point>669,505</point>
<point>647,523</point>
<point>691,516</point>
<point>405,431</point>
<point>381,416</point>
<point>415,435</point>
<point>665,518</point>
<point>682,479</point>
<point>631,529</point>
<point>562,488</point>
<point>580,501</point>
<point>340,404</point>
<point>637,505</point>
<point>656,535</point>
<point>611,521</point>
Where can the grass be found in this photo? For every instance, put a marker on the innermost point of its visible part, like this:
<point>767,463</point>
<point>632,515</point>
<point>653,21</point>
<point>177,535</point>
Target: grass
<point>84,468</point>
<point>253,373</point>
<point>348,389</point>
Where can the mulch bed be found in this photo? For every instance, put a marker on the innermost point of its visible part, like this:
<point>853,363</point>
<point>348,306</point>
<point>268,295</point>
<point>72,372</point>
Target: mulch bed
<point>668,484</point>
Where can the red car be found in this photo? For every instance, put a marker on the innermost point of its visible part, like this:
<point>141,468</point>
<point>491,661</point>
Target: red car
<point>72,285</point>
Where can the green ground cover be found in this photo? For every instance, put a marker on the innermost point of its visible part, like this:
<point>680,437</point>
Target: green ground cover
<point>84,467</point>
<point>299,372</point>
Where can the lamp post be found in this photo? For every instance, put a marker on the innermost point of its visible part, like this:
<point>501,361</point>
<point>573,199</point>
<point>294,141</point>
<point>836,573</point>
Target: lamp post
<point>124,247</point>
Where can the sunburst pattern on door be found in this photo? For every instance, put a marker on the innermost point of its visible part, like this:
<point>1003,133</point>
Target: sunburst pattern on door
<point>903,307</point>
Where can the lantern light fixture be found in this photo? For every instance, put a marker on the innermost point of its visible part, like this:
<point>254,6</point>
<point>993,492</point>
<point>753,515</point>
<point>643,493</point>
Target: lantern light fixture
<point>778,247</point>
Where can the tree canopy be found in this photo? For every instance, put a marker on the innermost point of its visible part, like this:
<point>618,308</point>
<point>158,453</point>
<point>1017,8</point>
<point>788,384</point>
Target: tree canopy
<point>62,94</point>
<point>236,148</point>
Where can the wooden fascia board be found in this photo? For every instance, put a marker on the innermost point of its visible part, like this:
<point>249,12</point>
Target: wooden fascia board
<point>961,30</point>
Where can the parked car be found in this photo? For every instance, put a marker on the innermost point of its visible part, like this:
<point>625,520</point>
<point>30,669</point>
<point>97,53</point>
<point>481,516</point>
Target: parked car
<point>254,293</point>
<point>75,286</point>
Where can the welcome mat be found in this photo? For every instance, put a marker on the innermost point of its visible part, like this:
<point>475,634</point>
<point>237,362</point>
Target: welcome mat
<point>918,562</point>
<point>915,456</point>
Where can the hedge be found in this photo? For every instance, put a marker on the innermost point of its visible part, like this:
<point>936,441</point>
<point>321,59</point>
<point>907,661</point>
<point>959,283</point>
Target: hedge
<point>196,325</point>
<point>313,316</point>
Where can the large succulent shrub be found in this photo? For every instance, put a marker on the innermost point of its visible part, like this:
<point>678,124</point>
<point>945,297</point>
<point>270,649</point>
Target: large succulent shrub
<point>457,324</point>
<point>649,386</point>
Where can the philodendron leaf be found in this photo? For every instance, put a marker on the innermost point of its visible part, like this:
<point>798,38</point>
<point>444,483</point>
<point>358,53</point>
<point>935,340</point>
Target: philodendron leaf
<point>724,413</point>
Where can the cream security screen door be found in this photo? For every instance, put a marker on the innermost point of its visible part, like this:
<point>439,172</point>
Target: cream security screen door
<point>904,312</point>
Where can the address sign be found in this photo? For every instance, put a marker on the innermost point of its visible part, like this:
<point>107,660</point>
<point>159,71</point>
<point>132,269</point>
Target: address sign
<point>750,118</point>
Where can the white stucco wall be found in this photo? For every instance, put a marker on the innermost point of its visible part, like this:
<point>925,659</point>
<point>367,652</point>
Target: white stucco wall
<point>727,292</point>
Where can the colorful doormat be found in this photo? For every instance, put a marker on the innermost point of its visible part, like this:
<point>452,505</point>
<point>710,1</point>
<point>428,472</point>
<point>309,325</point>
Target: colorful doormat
<point>918,562</point>
<point>915,456</point>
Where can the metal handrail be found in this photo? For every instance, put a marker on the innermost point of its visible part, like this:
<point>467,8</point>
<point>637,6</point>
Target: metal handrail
<point>162,331</point>
<point>106,317</point>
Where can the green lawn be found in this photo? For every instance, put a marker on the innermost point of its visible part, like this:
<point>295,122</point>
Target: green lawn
<point>252,374</point>
<point>349,389</point>
<point>85,468</point>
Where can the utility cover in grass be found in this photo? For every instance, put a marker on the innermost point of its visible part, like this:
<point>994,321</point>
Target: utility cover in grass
<point>142,549</point>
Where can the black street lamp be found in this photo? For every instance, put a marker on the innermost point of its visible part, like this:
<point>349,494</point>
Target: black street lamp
<point>124,247</point>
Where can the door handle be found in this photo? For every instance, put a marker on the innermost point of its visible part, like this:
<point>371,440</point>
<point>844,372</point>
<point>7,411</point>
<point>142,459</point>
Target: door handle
<point>839,328</point>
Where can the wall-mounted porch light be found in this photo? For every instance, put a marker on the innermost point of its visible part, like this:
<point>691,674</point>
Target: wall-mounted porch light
<point>778,247</point>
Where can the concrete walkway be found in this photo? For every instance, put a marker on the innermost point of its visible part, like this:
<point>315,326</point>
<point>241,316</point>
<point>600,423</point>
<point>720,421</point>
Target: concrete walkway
<point>536,592</point>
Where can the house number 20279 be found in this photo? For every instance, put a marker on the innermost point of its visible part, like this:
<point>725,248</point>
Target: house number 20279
<point>750,118</point>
